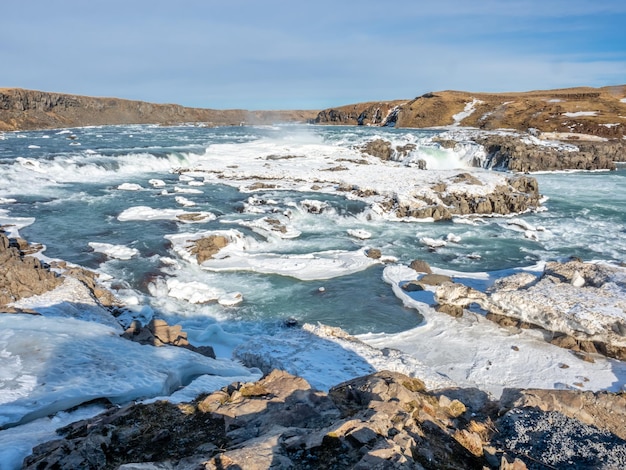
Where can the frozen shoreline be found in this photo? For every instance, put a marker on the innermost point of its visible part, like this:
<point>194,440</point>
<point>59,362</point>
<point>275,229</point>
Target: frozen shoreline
<point>443,351</point>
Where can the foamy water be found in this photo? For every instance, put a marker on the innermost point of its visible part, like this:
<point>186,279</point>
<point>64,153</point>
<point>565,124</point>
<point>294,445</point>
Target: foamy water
<point>114,204</point>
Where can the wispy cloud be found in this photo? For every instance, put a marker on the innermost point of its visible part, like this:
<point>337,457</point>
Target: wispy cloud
<point>252,54</point>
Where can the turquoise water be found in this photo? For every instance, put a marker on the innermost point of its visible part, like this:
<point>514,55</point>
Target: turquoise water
<point>71,191</point>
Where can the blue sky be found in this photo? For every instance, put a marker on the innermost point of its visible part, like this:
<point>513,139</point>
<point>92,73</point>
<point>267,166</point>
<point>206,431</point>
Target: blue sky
<point>307,54</point>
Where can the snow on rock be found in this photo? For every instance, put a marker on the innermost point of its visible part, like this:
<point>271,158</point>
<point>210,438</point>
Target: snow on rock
<point>148,213</point>
<point>157,183</point>
<point>306,267</point>
<point>72,299</point>
<point>359,233</point>
<point>76,361</point>
<point>271,226</point>
<point>581,114</point>
<point>432,242</point>
<point>129,187</point>
<point>326,356</point>
<point>114,251</point>
<point>474,351</point>
<point>196,292</point>
<point>392,189</point>
<point>452,238</point>
<point>313,206</point>
<point>586,301</point>
<point>230,250</point>
<point>183,201</point>
<point>467,111</point>
<point>188,245</point>
<point>179,189</point>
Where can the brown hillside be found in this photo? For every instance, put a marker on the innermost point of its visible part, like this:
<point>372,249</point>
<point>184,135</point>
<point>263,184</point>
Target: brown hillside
<point>600,111</point>
<point>28,109</point>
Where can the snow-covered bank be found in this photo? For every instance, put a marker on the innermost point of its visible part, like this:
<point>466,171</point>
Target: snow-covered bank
<point>78,361</point>
<point>473,351</point>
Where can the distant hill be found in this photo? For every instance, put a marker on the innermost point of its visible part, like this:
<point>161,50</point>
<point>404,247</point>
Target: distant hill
<point>575,111</point>
<point>29,109</point>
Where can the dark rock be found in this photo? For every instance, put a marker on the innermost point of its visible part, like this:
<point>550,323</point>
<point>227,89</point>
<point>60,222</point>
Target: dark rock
<point>412,286</point>
<point>512,154</point>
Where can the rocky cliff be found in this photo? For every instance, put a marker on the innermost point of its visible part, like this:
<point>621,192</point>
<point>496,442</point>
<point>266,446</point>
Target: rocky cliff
<point>573,111</point>
<point>27,109</point>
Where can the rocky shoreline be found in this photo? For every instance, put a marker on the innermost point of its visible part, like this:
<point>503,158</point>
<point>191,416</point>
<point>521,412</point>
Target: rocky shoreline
<point>383,420</point>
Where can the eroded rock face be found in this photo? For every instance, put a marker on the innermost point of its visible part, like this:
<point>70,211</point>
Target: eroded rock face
<point>513,154</point>
<point>384,420</point>
<point>22,276</point>
<point>30,109</point>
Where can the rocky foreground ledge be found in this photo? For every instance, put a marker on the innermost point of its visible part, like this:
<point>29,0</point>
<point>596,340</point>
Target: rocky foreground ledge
<point>381,421</point>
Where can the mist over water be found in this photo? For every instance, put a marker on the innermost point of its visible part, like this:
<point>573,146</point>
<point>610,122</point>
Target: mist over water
<point>72,193</point>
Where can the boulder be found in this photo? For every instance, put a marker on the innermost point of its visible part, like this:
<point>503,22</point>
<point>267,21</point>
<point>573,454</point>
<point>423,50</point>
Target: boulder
<point>21,275</point>
<point>420,266</point>
<point>158,333</point>
<point>206,248</point>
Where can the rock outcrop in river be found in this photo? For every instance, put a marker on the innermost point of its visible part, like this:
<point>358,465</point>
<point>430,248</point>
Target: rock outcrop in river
<point>380,421</point>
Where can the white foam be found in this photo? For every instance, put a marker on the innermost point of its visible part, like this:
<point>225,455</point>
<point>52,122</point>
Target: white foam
<point>114,251</point>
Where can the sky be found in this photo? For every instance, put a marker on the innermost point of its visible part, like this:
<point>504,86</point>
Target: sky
<point>315,54</point>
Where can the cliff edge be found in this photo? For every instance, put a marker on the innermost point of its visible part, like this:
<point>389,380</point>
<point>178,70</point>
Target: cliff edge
<point>29,109</point>
<point>571,112</point>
